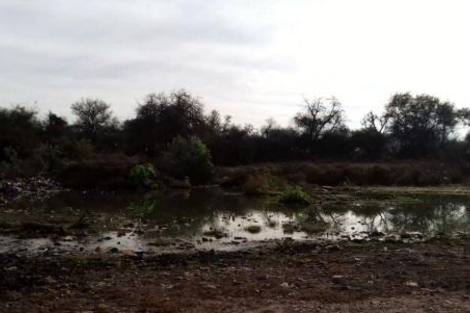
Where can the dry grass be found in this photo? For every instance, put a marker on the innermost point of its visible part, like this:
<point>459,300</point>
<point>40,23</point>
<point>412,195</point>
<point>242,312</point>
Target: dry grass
<point>359,174</point>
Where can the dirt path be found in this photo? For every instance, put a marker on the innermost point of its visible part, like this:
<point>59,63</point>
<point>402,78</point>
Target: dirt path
<point>426,277</point>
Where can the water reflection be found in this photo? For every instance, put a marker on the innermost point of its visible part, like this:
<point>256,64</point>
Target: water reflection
<point>214,218</point>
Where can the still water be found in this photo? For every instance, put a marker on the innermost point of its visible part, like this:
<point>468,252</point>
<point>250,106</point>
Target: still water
<point>219,219</point>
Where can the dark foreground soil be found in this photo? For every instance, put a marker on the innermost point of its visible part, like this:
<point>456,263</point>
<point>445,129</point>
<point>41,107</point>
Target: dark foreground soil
<point>419,277</point>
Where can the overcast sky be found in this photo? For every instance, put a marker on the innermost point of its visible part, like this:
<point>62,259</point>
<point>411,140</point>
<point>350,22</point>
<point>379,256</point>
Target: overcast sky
<point>251,59</point>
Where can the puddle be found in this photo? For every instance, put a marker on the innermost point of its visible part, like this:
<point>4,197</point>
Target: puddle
<point>216,219</point>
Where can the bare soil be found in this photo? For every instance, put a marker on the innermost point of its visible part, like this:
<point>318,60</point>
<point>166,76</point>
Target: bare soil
<point>290,277</point>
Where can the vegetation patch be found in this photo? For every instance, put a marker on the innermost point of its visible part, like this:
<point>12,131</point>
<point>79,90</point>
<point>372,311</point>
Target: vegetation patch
<point>262,182</point>
<point>295,195</point>
<point>408,193</point>
<point>190,158</point>
<point>142,175</point>
<point>102,172</point>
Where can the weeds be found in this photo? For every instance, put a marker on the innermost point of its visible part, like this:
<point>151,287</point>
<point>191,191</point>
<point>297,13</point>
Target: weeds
<point>294,195</point>
<point>262,182</point>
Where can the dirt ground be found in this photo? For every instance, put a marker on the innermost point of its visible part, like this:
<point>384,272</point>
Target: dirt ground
<point>289,277</point>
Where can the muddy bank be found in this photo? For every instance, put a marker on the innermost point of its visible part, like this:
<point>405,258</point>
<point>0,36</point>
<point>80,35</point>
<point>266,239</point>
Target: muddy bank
<point>291,277</point>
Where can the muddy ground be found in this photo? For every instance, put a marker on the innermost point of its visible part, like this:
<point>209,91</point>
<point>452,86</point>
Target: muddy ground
<point>288,277</point>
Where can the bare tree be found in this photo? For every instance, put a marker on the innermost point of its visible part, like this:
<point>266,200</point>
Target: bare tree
<point>321,116</point>
<point>92,115</point>
<point>375,123</point>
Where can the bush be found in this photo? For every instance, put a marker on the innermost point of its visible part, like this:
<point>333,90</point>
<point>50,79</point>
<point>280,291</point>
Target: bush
<point>101,172</point>
<point>80,150</point>
<point>190,158</point>
<point>47,158</point>
<point>19,130</point>
<point>294,195</point>
<point>142,175</point>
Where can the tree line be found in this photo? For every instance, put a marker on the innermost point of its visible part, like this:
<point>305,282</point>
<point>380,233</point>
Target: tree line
<point>411,127</point>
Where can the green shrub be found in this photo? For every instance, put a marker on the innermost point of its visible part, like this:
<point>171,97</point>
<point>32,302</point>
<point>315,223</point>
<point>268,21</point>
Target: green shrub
<point>190,158</point>
<point>294,195</point>
<point>142,175</point>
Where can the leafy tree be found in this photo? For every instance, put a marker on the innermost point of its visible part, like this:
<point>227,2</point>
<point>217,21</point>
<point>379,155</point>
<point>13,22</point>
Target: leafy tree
<point>277,143</point>
<point>160,118</point>
<point>235,145</point>
<point>54,126</point>
<point>93,116</point>
<point>190,158</point>
<point>19,130</point>
<point>420,125</point>
<point>369,144</point>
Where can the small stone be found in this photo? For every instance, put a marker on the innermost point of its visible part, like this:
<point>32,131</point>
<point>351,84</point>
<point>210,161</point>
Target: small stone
<point>337,278</point>
<point>411,284</point>
<point>333,248</point>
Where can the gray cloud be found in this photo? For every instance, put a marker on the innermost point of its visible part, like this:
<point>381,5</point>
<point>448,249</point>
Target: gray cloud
<point>251,59</point>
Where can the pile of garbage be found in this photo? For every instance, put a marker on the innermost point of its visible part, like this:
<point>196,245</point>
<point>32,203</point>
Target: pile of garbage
<point>34,187</point>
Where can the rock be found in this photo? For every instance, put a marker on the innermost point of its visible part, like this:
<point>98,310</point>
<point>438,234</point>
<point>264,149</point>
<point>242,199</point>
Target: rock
<point>333,248</point>
<point>114,250</point>
<point>253,229</point>
<point>357,240</point>
<point>376,233</point>
<point>411,284</point>
<point>217,233</point>
<point>337,279</point>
